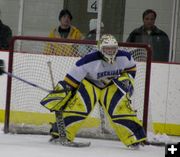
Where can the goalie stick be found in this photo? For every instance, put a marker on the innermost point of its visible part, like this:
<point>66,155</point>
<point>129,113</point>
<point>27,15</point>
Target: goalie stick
<point>62,133</point>
<point>2,71</point>
<point>32,84</point>
<point>60,121</point>
<point>60,124</point>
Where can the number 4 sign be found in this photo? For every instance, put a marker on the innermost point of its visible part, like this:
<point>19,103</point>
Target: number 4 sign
<point>92,6</point>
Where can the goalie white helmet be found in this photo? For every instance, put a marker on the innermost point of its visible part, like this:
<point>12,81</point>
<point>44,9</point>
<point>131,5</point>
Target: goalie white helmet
<point>108,46</point>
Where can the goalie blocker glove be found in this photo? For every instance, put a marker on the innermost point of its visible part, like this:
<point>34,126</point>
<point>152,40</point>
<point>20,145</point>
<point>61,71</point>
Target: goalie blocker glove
<point>1,66</point>
<point>55,100</point>
<point>125,83</point>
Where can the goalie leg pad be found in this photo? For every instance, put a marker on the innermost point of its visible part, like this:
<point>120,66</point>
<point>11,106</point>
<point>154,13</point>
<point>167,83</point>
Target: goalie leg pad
<point>54,101</point>
<point>54,131</point>
<point>79,108</point>
<point>122,117</point>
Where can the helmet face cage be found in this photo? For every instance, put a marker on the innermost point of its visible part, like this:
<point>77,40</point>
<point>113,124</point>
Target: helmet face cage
<point>108,46</point>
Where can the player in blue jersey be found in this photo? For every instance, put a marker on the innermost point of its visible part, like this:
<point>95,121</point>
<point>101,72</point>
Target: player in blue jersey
<point>105,76</point>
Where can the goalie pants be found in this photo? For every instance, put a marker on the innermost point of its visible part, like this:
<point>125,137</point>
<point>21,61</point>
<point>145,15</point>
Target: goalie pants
<point>116,107</point>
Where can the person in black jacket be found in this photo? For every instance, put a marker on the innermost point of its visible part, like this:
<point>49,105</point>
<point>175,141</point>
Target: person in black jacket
<point>5,36</point>
<point>150,34</point>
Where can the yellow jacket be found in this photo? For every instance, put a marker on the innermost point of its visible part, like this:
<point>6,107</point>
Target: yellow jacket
<point>60,48</point>
<point>73,34</point>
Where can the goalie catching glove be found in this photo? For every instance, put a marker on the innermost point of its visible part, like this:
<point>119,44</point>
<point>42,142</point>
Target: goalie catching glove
<point>55,100</point>
<point>1,66</point>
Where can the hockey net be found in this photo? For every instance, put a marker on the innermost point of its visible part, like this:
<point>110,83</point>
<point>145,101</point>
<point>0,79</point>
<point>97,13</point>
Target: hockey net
<point>29,58</point>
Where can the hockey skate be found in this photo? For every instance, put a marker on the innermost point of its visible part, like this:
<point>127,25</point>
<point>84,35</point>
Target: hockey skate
<point>136,146</point>
<point>56,139</point>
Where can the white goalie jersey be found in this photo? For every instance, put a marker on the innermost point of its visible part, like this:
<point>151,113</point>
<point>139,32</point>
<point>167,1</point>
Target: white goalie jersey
<point>96,70</point>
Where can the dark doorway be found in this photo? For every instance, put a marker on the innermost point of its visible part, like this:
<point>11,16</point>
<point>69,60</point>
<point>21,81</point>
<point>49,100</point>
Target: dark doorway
<point>112,16</point>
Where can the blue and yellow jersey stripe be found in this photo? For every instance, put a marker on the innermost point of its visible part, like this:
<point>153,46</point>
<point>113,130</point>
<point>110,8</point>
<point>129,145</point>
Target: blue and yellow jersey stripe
<point>71,81</point>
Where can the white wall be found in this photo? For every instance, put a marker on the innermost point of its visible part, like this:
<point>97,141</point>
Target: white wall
<point>165,93</point>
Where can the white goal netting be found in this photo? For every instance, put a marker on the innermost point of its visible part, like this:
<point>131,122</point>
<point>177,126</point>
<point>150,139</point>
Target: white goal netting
<point>29,60</point>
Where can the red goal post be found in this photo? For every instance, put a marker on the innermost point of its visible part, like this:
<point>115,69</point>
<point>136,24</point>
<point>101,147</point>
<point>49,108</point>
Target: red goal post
<point>28,59</point>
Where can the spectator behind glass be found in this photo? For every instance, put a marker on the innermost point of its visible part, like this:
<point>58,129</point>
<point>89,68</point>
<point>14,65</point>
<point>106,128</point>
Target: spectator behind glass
<point>152,35</point>
<point>66,31</point>
<point>5,35</point>
<point>91,35</point>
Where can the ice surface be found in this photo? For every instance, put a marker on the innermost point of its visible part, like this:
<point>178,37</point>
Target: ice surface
<point>13,145</point>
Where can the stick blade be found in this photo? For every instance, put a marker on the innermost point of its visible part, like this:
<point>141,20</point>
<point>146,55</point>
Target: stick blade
<point>69,143</point>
